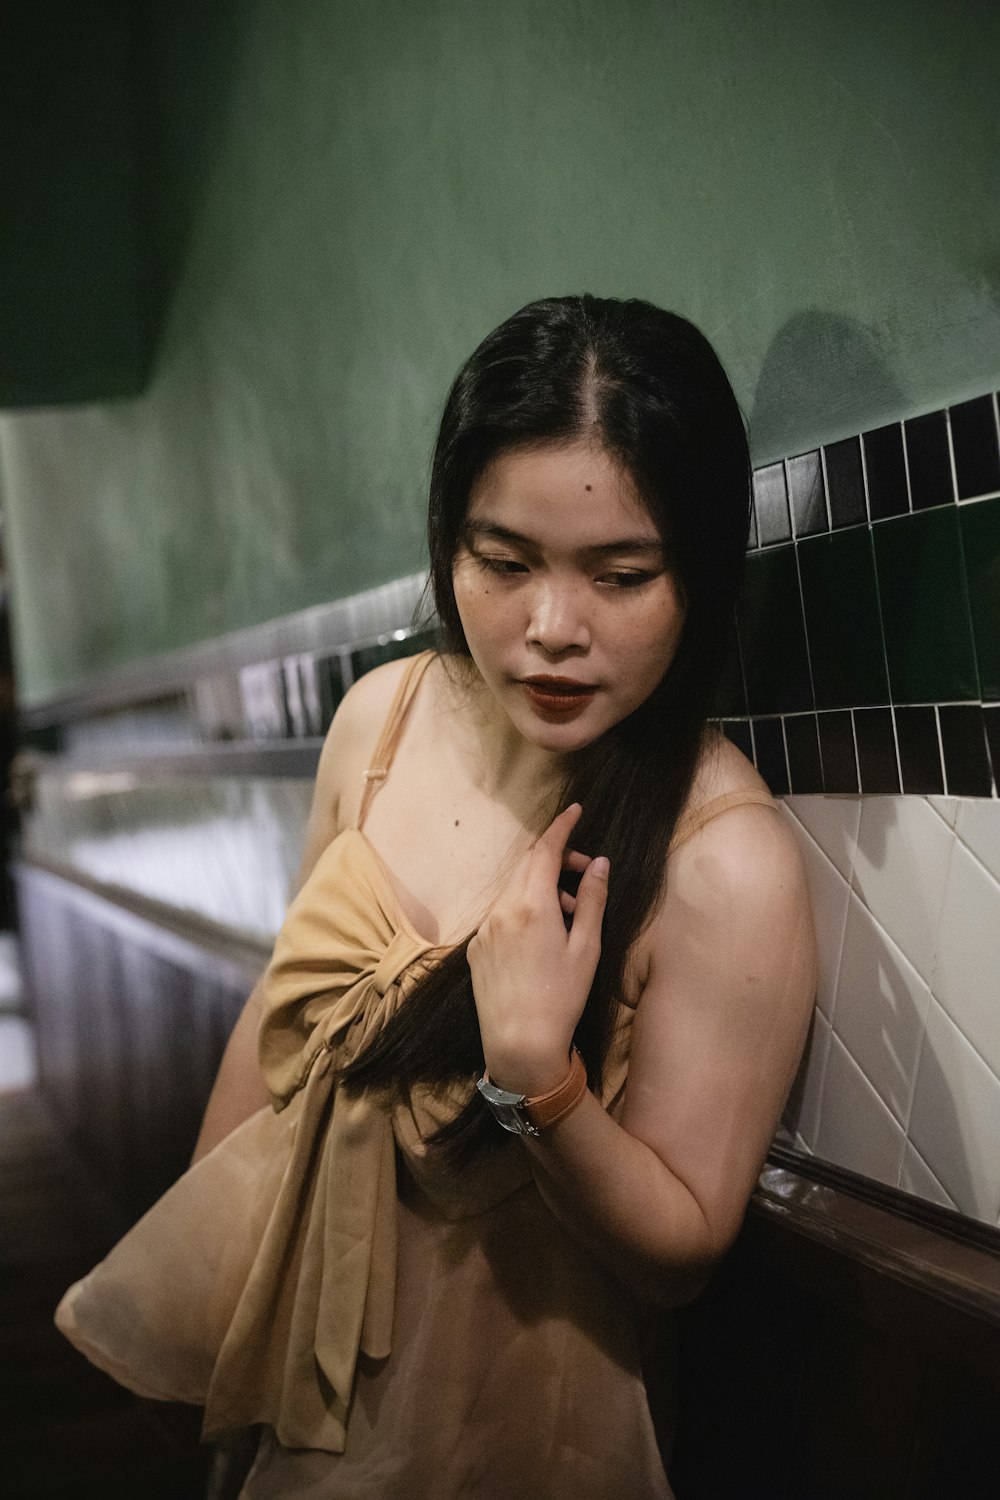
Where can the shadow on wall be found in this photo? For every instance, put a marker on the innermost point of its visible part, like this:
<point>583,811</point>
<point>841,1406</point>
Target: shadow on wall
<point>186,53</point>
<point>803,371</point>
<point>871,1078</point>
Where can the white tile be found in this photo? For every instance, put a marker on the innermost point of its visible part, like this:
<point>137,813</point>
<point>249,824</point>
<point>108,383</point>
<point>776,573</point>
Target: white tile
<point>802,1112</point>
<point>855,1128</point>
<point>917,1178</point>
<point>900,869</point>
<point>10,973</point>
<point>955,1118</point>
<point>966,978</point>
<point>829,894</point>
<point>833,823</point>
<point>18,1065</point>
<point>880,1009</point>
<point>978,826</point>
<point>946,808</point>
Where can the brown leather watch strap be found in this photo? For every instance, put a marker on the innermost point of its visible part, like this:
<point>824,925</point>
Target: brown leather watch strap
<point>545,1109</point>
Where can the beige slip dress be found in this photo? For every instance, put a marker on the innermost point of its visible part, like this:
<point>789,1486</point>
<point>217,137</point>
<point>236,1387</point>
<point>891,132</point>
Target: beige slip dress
<point>399,1330</point>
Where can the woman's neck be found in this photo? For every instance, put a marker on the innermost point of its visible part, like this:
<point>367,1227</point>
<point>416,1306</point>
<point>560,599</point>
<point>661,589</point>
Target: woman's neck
<point>504,765</point>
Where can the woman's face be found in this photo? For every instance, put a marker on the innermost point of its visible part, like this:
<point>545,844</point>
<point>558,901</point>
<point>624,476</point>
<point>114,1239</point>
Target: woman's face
<point>569,610</point>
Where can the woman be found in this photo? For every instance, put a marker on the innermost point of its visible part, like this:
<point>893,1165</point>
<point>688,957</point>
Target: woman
<point>410,1298</point>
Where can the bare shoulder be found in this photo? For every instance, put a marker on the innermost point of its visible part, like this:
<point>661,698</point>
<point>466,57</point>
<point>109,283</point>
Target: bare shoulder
<point>346,753</point>
<point>741,871</point>
<point>723,768</point>
<point>744,848</point>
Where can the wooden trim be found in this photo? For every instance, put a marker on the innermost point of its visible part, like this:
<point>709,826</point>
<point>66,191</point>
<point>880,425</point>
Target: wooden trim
<point>935,1251</point>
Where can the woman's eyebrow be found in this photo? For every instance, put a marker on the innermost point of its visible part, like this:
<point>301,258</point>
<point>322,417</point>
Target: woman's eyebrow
<point>491,531</point>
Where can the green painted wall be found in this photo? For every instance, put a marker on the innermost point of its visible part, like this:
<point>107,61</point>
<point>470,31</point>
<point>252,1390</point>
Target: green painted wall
<point>351,192</point>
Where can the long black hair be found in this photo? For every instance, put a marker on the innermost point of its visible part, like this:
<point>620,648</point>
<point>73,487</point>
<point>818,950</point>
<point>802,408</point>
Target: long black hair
<point>647,387</point>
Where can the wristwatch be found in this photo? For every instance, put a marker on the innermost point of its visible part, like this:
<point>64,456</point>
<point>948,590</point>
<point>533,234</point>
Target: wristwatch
<point>523,1116</point>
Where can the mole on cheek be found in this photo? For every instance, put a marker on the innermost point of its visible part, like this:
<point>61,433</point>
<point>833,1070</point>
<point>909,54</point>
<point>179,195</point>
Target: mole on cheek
<point>588,488</point>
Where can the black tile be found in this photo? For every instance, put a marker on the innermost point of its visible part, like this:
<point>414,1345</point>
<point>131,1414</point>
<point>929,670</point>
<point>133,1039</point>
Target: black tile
<point>845,483</point>
<point>769,743</point>
<point>772,634</point>
<point>876,750</point>
<point>730,701</point>
<point>836,748</point>
<point>330,680</point>
<point>919,751</point>
<point>389,648</point>
<point>885,469</point>
<point>980,527</point>
<point>928,460</point>
<point>924,599</point>
<point>974,439</point>
<point>738,731</point>
<point>843,624</point>
<point>771,504</point>
<point>802,742</point>
<point>991,720</point>
<point>806,494</point>
<point>966,760</point>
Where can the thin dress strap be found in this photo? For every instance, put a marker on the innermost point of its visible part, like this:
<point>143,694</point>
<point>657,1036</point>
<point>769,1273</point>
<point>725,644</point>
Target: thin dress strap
<point>693,818</point>
<point>392,729</point>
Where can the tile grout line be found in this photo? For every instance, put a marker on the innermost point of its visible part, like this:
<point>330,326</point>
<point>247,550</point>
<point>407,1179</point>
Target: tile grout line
<point>967,1040</point>
<point>821,1082</point>
<point>906,468</point>
<point>981,866</point>
<point>951,455</point>
<point>944,768</point>
<point>864,479</point>
<point>825,481</point>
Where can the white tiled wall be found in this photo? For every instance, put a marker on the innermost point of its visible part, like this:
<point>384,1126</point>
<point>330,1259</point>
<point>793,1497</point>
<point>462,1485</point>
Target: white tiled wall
<point>901,1081</point>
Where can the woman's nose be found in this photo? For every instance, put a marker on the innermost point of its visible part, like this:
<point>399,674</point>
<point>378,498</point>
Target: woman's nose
<point>558,621</point>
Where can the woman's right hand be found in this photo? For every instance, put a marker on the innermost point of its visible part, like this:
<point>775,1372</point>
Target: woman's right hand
<point>531,970</point>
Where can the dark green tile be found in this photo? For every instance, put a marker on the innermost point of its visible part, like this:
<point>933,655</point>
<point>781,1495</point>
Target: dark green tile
<point>772,635</point>
<point>842,619</point>
<point>390,648</point>
<point>925,608</point>
<point>981,539</point>
<point>730,700</point>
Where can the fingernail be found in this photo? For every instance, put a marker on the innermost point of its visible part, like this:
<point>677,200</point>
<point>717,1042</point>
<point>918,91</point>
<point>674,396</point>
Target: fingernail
<point>600,867</point>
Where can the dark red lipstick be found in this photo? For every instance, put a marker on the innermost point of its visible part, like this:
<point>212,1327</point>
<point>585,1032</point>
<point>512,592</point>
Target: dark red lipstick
<point>558,697</point>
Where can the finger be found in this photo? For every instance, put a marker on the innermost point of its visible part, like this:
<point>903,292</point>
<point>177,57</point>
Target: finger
<point>591,899</point>
<point>559,830</point>
<point>545,859</point>
<point>567,902</point>
<point>549,848</point>
<point>573,860</point>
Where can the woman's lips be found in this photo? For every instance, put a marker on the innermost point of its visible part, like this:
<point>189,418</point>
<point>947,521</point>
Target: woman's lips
<point>557,699</point>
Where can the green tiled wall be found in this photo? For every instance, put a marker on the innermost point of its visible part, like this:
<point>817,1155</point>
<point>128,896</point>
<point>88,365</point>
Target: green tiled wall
<point>925,608</point>
<point>875,630</point>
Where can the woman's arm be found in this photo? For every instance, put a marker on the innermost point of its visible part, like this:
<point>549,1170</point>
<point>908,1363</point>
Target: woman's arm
<point>716,1040</point>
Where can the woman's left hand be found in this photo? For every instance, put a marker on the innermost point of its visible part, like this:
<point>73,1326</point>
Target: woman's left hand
<point>531,973</point>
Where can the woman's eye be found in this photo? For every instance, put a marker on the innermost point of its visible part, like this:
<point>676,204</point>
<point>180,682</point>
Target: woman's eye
<point>507,567</point>
<point>626,578</point>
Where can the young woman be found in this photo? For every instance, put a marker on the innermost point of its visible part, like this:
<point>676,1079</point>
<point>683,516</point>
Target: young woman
<point>531,867</point>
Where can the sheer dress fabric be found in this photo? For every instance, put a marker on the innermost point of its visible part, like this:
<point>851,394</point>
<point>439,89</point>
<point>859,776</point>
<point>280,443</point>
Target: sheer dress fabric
<point>398,1330</point>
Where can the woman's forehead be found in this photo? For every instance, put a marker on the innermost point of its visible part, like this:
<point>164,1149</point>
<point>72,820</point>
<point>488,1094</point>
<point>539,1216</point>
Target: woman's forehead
<point>575,486</point>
